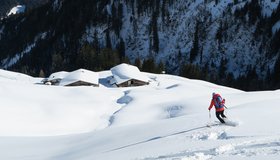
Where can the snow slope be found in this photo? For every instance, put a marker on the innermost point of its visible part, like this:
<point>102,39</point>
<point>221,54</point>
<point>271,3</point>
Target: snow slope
<point>164,120</point>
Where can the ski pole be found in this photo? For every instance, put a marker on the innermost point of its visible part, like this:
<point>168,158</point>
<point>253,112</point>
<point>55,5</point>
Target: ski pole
<point>209,122</point>
<point>225,106</point>
<point>226,109</point>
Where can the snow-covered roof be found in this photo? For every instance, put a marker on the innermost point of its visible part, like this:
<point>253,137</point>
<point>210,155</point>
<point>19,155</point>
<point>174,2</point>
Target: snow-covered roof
<point>80,75</point>
<point>125,72</point>
<point>58,75</point>
<point>17,9</point>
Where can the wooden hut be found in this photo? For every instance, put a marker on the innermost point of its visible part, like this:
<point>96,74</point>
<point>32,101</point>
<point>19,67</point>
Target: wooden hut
<point>81,77</point>
<point>125,75</point>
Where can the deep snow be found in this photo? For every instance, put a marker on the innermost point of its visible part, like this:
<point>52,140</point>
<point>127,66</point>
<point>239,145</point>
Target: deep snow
<point>164,120</point>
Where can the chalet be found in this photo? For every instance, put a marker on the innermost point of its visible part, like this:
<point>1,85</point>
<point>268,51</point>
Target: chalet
<point>125,75</point>
<point>80,77</point>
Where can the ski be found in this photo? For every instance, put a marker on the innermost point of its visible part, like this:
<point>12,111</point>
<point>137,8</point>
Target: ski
<point>228,123</point>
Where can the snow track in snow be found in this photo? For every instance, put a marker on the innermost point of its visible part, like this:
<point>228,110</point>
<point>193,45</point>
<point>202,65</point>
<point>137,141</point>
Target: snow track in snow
<point>244,149</point>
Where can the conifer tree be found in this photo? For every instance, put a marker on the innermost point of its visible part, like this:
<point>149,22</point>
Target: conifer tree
<point>138,63</point>
<point>42,73</point>
<point>108,39</point>
<point>153,31</point>
<point>160,67</point>
<point>149,65</point>
<point>276,75</point>
<point>194,50</point>
<point>121,49</point>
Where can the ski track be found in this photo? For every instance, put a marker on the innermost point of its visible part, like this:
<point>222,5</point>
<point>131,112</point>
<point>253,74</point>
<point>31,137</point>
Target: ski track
<point>245,149</point>
<point>241,146</point>
<point>157,138</point>
<point>124,100</point>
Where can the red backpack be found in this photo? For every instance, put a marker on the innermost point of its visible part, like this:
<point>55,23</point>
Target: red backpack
<point>218,101</point>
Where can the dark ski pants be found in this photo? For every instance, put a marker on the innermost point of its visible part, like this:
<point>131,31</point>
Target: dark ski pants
<point>220,115</point>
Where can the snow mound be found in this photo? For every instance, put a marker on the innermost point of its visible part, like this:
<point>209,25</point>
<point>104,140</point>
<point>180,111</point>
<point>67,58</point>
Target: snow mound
<point>209,135</point>
<point>231,123</point>
<point>13,76</point>
<point>224,148</point>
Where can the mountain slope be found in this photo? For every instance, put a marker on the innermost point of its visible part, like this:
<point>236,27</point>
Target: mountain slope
<point>228,40</point>
<point>7,5</point>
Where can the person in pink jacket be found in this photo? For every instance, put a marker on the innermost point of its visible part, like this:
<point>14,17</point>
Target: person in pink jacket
<point>219,104</point>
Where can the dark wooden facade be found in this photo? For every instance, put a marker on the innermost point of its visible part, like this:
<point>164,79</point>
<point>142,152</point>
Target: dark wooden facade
<point>82,83</point>
<point>132,83</point>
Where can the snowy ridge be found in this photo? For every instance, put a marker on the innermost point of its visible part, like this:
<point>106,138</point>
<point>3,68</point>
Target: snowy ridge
<point>16,10</point>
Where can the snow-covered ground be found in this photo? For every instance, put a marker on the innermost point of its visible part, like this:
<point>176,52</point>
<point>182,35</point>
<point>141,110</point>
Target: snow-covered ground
<point>165,120</point>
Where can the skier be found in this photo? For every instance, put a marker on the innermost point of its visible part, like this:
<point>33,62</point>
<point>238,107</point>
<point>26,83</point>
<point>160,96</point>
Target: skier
<point>219,104</point>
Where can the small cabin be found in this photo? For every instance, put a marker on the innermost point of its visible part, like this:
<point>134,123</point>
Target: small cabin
<point>125,75</point>
<point>81,77</point>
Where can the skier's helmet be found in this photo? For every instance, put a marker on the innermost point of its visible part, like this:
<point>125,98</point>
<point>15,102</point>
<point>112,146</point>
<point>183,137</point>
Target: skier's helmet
<point>213,94</point>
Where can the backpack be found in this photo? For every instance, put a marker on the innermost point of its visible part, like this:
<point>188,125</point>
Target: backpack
<point>218,101</point>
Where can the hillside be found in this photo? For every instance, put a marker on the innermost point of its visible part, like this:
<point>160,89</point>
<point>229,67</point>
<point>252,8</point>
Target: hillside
<point>164,120</point>
<point>7,5</point>
<point>223,41</point>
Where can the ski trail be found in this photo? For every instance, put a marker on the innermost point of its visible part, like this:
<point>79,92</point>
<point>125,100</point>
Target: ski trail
<point>124,100</point>
<point>157,138</point>
<point>215,132</point>
<point>248,148</point>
